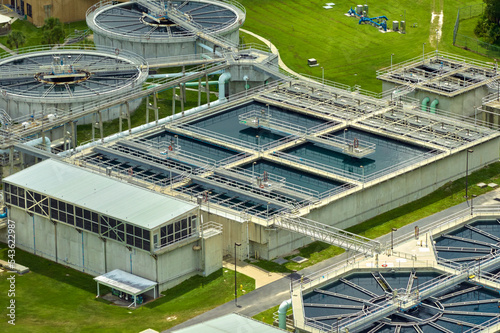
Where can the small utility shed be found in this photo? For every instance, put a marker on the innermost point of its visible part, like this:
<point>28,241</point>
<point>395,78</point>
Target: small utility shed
<point>231,323</point>
<point>125,282</point>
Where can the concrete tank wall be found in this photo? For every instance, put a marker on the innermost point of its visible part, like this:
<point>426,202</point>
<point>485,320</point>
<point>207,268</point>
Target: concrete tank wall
<point>158,46</point>
<point>397,191</point>
<point>462,104</point>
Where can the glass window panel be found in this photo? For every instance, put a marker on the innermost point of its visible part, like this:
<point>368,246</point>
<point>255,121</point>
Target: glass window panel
<point>138,231</point>
<point>70,209</point>
<point>62,216</point>
<point>54,213</point>
<point>70,219</point>
<point>86,225</point>
<point>79,211</point>
<point>138,242</point>
<point>146,245</point>
<point>130,240</point>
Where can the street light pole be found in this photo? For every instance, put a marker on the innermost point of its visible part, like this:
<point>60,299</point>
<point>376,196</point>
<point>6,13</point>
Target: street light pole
<point>392,54</point>
<point>469,151</point>
<point>338,327</point>
<point>235,283</point>
<point>423,52</point>
<point>472,203</point>
<point>392,238</point>
<point>437,41</point>
<point>323,75</point>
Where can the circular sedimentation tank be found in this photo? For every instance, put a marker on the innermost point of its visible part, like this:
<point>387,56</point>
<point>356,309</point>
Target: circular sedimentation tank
<point>164,28</point>
<point>68,80</point>
<point>464,305</point>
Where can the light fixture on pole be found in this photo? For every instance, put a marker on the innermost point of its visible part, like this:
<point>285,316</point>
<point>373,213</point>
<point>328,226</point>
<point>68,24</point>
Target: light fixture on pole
<point>235,283</point>
<point>472,203</point>
<point>423,52</point>
<point>392,238</point>
<point>469,151</point>
<point>323,75</point>
<point>392,54</point>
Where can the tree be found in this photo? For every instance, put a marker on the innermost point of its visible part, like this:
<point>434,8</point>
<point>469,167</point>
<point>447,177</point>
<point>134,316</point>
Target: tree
<point>492,10</point>
<point>488,25</point>
<point>53,31</point>
<point>16,38</point>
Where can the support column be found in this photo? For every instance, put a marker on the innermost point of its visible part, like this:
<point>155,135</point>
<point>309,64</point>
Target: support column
<point>199,91</point>
<point>182,97</point>
<point>101,129</point>
<point>120,119</point>
<point>147,109</point>
<point>127,105</point>
<point>207,88</point>
<point>73,135</point>
<point>155,105</point>
<point>173,101</point>
<point>11,160</point>
<point>93,126</point>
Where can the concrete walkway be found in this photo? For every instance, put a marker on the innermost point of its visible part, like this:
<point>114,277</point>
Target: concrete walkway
<point>276,292</point>
<point>261,276</point>
<point>6,49</point>
<point>274,50</point>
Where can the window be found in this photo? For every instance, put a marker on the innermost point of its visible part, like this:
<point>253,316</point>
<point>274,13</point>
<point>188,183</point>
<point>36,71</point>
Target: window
<point>176,231</point>
<point>85,219</point>
<point>48,10</point>
<point>29,10</point>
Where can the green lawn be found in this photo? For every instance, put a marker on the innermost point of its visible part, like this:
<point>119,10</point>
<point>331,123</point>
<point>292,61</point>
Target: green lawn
<point>34,34</point>
<point>315,252</point>
<point>303,29</point>
<point>53,298</point>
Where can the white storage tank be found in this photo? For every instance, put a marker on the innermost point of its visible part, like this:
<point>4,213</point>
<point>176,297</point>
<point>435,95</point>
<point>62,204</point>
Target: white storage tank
<point>395,25</point>
<point>158,28</point>
<point>66,81</point>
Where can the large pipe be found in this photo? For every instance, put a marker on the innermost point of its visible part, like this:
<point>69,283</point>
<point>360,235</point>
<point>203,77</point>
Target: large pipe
<point>171,75</point>
<point>222,85</point>
<point>425,101</point>
<point>32,143</point>
<point>210,49</point>
<point>282,313</point>
<point>141,128</point>
<point>433,105</point>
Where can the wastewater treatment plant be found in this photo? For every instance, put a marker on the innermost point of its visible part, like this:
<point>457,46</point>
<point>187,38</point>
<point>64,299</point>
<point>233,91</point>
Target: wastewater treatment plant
<point>273,163</point>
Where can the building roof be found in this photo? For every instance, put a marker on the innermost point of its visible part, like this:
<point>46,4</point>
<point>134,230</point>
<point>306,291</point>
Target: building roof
<point>126,282</point>
<point>229,324</point>
<point>101,194</point>
<point>4,19</point>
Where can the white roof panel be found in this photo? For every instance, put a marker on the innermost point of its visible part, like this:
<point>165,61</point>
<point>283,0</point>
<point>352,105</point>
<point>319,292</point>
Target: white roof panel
<point>123,281</point>
<point>230,323</point>
<point>101,194</point>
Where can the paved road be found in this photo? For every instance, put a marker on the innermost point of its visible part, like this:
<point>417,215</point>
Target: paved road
<point>276,292</point>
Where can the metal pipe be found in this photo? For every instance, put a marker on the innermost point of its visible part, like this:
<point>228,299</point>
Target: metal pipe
<point>282,313</point>
<point>222,85</point>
